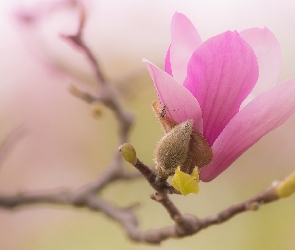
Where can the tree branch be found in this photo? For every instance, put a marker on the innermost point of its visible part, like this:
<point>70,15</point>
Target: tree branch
<point>107,94</point>
<point>185,225</point>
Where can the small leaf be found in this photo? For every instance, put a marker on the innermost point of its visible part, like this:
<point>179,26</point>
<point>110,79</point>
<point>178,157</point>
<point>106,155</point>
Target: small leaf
<point>185,183</point>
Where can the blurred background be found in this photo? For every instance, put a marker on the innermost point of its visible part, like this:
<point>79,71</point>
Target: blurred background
<point>63,145</point>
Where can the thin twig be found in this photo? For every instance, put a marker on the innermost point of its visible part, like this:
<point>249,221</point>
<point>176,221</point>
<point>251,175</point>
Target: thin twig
<point>107,94</point>
<point>184,224</point>
<point>114,172</point>
<point>10,142</point>
<point>157,183</point>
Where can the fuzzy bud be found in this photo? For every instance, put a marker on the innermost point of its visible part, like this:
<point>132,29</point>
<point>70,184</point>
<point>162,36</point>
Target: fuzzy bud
<point>199,152</point>
<point>172,150</point>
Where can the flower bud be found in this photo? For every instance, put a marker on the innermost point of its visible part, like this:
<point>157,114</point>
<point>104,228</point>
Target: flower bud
<point>128,153</point>
<point>199,152</point>
<point>172,150</point>
<point>287,186</point>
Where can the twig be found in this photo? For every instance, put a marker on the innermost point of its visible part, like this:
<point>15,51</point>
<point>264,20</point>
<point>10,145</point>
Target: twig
<point>156,182</point>
<point>107,94</point>
<point>77,40</point>
<point>187,224</point>
<point>184,224</point>
<point>113,172</point>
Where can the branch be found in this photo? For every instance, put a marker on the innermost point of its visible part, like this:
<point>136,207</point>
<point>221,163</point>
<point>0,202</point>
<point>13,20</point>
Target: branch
<point>107,94</point>
<point>188,224</point>
<point>22,199</point>
<point>114,172</point>
<point>184,224</point>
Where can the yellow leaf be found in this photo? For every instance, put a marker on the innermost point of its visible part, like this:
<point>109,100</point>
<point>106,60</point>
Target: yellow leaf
<point>185,183</point>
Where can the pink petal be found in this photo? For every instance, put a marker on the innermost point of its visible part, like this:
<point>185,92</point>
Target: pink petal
<point>168,63</point>
<point>184,41</point>
<point>265,113</point>
<point>268,53</point>
<point>181,105</point>
<point>221,74</point>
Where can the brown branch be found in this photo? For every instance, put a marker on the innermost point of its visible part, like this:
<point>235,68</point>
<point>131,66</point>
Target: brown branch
<point>253,204</point>
<point>156,182</point>
<point>184,224</point>
<point>167,203</point>
<point>114,172</point>
<point>107,94</point>
<point>77,40</point>
<point>22,199</point>
<point>187,224</point>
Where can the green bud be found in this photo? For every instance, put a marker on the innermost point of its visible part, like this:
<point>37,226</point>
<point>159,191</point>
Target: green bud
<point>287,186</point>
<point>128,153</point>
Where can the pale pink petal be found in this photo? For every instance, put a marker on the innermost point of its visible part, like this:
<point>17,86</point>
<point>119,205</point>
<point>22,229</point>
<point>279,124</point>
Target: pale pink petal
<point>265,113</point>
<point>268,53</point>
<point>181,105</point>
<point>221,74</point>
<point>168,63</point>
<point>184,41</point>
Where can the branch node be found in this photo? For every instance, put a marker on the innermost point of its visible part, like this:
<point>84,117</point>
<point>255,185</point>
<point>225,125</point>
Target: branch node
<point>177,218</point>
<point>186,224</point>
<point>253,206</point>
<point>157,197</point>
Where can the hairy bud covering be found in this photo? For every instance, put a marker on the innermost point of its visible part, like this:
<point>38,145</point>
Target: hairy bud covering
<point>172,150</point>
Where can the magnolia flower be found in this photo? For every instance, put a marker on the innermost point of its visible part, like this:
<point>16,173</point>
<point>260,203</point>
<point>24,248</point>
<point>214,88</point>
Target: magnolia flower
<point>227,85</point>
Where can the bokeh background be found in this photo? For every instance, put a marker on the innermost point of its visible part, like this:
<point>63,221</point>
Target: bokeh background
<point>63,145</point>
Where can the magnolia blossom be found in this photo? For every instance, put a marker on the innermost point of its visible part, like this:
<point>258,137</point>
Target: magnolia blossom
<point>227,85</point>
